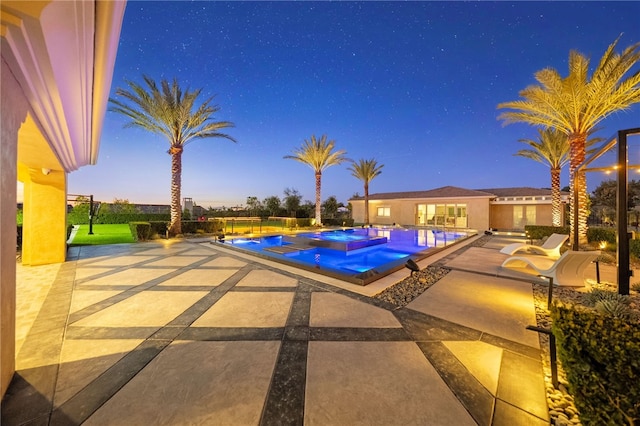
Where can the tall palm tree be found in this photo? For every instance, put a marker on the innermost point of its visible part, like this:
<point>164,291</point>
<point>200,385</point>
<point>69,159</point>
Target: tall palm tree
<point>168,111</point>
<point>365,170</point>
<point>318,154</point>
<point>552,148</point>
<point>575,105</point>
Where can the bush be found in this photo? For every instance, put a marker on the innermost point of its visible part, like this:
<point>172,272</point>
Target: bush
<point>595,235</point>
<point>158,227</point>
<point>19,235</point>
<point>601,358</point>
<point>115,218</point>
<point>536,232</point>
<point>141,231</point>
<point>634,248</point>
<point>338,222</point>
<point>204,227</point>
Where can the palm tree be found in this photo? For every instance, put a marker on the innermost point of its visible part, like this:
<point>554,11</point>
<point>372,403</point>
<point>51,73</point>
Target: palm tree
<point>170,112</point>
<point>318,155</point>
<point>552,148</point>
<point>575,105</point>
<point>366,170</point>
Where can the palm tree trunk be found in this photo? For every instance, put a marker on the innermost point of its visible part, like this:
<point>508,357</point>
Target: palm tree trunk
<point>318,201</point>
<point>578,182</point>
<point>175,226</point>
<point>366,203</point>
<point>556,217</point>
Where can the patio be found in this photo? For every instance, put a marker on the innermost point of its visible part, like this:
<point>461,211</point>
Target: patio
<point>232,339</point>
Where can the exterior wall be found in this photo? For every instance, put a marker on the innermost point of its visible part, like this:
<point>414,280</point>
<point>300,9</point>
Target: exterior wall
<point>14,110</point>
<point>404,212</point>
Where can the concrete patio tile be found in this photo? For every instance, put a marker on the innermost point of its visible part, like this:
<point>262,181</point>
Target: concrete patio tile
<point>497,306</point>
<point>381,383</point>
<point>508,415</point>
<point>130,277</point>
<point>146,309</point>
<point>481,359</point>
<point>83,298</point>
<point>35,285</point>
<point>264,278</point>
<point>336,310</point>
<point>199,277</point>
<point>176,261</point>
<point>225,262</point>
<point>81,361</point>
<point>195,383</point>
<point>522,384</point>
<point>243,309</point>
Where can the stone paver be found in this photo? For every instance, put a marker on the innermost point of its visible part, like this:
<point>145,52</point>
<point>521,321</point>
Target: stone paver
<point>182,332</point>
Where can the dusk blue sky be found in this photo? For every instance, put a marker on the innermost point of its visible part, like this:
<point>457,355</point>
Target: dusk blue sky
<point>414,85</point>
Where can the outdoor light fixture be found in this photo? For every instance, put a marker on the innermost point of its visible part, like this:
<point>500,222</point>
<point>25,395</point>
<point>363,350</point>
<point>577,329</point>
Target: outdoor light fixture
<point>46,171</point>
<point>412,266</point>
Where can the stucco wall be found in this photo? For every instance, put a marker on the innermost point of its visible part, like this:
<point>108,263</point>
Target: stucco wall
<point>502,216</point>
<point>13,112</point>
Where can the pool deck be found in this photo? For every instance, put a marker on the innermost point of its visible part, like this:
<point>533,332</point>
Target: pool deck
<point>178,332</point>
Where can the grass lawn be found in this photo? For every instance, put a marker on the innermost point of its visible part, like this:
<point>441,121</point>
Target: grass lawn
<point>103,234</point>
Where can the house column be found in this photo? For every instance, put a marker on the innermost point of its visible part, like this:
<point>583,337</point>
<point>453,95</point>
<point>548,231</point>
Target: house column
<point>14,111</point>
<point>44,230</point>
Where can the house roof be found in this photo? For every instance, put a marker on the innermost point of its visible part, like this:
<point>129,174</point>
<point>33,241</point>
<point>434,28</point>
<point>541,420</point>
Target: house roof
<point>443,192</point>
<point>457,192</point>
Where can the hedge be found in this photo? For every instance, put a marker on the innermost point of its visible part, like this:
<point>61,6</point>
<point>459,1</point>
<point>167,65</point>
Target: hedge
<point>115,218</point>
<point>141,231</point>
<point>536,232</point>
<point>601,358</point>
<point>204,227</point>
<point>338,222</point>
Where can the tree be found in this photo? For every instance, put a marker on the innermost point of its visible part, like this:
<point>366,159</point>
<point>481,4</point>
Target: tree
<point>552,148</point>
<point>292,200</point>
<point>366,171</point>
<point>575,105</point>
<point>253,206</point>
<point>272,204</point>
<point>330,207</point>
<point>318,154</point>
<point>170,112</point>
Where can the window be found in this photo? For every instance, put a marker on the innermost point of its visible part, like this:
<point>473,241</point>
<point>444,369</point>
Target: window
<point>384,211</point>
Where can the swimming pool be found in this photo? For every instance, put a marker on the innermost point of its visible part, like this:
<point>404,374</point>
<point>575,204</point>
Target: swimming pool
<point>359,255</point>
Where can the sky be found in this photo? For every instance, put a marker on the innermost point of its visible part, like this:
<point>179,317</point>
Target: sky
<point>414,85</point>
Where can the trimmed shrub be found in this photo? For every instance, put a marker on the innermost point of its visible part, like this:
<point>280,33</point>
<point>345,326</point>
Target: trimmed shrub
<point>634,248</point>
<point>601,358</point>
<point>338,222</point>
<point>201,227</point>
<point>141,231</point>
<point>158,227</point>
<point>595,235</point>
<point>536,232</point>
<point>115,218</point>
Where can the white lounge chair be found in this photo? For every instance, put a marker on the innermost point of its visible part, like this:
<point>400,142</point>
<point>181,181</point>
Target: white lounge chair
<point>550,248</point>
<point>568,270</point>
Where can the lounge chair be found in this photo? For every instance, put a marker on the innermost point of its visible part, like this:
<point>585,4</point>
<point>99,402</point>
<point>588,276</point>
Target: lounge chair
<point>550,248</point>
<point>568,270</point>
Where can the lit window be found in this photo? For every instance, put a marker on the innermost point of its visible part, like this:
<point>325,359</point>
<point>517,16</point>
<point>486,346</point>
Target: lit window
<point>384,211</point>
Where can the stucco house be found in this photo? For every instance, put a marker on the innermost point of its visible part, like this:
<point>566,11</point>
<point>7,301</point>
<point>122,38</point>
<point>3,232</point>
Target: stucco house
<point>454,207</point>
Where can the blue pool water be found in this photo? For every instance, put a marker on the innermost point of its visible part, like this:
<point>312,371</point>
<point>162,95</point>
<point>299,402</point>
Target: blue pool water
<point>359,255</point>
